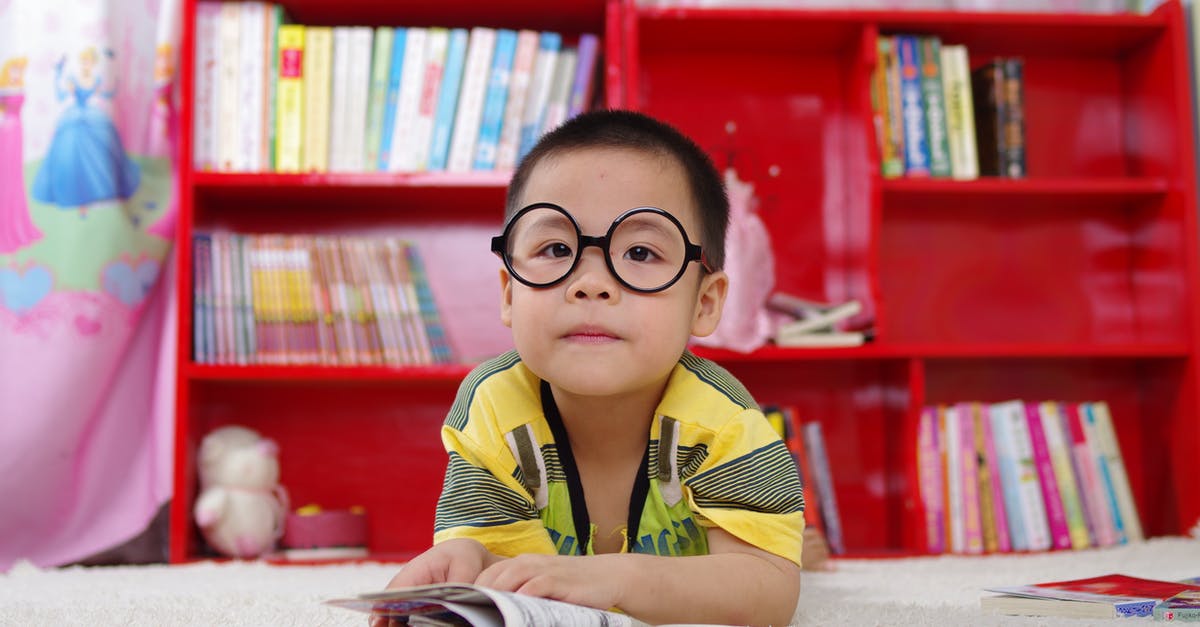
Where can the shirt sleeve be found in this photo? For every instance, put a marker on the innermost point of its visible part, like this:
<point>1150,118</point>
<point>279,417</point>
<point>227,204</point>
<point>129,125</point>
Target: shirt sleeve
<point>749,486</point>
<point>482,497</point>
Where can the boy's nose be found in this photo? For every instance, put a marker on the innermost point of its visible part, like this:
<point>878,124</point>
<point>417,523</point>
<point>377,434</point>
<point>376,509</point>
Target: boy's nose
<point>591,278</point>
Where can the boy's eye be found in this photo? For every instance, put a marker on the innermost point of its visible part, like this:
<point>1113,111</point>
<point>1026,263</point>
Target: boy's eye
<point>640,253</point>
<point>557,250</point>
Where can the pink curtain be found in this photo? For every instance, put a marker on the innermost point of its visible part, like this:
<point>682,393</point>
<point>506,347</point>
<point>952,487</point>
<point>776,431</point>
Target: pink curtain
<point>87,220</point>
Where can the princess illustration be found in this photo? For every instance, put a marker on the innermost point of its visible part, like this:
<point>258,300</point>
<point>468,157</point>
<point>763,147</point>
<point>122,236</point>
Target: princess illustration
<point>164,131</point>
<point>86,162</point>
<point>16,227</point>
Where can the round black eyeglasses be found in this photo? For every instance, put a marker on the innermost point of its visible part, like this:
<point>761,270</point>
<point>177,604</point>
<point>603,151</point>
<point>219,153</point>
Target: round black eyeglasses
<point>646,249</point>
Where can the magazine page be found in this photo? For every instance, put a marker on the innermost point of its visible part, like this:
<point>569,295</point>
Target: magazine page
<point>522,609</point>
<point>481,607</point>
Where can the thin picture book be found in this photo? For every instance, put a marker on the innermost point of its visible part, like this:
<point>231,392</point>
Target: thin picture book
<point>1106,596</point>
<point>464,604</point>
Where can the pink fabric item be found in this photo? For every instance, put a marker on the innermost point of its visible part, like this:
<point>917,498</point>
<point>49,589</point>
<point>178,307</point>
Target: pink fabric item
<point>745,324</point>
<point>87,308</point>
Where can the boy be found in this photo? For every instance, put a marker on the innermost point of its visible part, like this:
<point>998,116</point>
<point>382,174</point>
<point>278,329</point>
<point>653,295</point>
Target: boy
<point>585,461</point>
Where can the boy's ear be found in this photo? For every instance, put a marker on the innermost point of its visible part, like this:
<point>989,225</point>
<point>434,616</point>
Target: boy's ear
<point>505,298</point>
<point>710,301</point>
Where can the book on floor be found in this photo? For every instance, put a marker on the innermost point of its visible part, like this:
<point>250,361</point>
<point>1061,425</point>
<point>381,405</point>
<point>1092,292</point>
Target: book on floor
<point>465,604</point>
<point>1106,596</point>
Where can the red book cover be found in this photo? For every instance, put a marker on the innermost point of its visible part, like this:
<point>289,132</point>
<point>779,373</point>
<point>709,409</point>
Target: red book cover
<point>1123,586</point>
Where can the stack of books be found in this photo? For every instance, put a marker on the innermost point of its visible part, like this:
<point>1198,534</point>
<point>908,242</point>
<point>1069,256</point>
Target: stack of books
<point>303,299</point>
<point>818,324</point>
<point>1023,476</point>
<point>806,442</point>
<point>1106,596</point>
<point>273,96</point>
<point>935,117</point>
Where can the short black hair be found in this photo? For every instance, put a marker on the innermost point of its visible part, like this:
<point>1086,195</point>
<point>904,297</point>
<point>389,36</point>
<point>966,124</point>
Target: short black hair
<point>614,128</point>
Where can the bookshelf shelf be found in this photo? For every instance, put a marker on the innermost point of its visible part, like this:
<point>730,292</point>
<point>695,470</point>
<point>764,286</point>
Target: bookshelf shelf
<point>1077,283</point>
<point>449,375</point>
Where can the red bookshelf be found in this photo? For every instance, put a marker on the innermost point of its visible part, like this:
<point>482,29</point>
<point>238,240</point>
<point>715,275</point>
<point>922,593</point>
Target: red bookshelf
<point>1077,283</point>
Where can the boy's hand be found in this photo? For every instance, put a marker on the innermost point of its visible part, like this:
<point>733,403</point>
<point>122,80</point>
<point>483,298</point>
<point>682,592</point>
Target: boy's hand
<point>589,580</point>
<point>454,561</point>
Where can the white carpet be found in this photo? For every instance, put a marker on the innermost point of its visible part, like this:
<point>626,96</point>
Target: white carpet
<point>914,591</point>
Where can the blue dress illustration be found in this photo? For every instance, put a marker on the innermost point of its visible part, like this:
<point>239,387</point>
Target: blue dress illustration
<point>86,162</point>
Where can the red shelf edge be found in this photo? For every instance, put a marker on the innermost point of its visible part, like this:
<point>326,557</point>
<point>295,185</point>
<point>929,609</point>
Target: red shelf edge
<point>1147,186</point>
<point>204,180</point>
<point>444,373</point>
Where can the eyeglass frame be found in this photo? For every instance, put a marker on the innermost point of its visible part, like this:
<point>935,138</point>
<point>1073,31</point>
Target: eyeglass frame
<point>692,252</point>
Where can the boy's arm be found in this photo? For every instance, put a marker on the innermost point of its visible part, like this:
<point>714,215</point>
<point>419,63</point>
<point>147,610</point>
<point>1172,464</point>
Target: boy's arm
<point>735,584</point>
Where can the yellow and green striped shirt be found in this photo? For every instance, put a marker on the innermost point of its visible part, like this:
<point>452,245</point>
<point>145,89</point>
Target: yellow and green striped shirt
<point>712,460</point>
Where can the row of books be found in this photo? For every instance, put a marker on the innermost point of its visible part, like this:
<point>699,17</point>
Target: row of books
<point>806,442</point>
<point>1023,476</point>
<point>303,299</point>
<point>273,96</point>
<point>935,117</point>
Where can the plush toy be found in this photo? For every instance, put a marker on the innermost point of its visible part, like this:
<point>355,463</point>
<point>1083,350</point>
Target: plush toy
<point>241,507</point>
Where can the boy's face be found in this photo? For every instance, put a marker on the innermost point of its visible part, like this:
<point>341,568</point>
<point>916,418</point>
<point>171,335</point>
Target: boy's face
<point>589,335</point>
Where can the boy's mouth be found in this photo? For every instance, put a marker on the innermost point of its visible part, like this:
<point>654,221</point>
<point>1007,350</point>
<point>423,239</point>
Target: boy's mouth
<point>590,334</point>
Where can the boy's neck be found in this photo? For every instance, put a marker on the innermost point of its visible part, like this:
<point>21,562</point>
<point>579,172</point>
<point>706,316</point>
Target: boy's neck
<point>610,426</point>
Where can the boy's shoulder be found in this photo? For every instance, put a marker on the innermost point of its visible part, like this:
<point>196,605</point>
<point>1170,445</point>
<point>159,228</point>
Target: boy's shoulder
<point>509,387</point>
<point>703,393</point>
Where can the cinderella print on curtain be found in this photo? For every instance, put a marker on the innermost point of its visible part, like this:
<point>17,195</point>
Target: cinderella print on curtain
<point>87,219</point>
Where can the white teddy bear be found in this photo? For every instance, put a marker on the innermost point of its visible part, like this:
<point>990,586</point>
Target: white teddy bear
<point>241,507</point>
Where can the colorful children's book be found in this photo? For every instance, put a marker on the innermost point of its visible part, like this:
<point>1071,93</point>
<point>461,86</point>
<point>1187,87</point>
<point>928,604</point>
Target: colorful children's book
<point>492,119</point>
<point>929,478</point>
<point>1183,607</point>
<point>1060,534</point>
<point>1106,596</point>
<point>916,138</point>
<point>447,102</point>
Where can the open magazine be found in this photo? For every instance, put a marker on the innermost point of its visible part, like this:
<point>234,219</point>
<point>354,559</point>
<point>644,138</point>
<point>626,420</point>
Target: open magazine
<point>465,604</point>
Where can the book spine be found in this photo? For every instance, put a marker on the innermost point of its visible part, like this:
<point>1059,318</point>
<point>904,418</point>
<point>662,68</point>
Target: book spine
<point>1010,472</point>
<point>492,117</point>
<point>1064,473</point>
<point>392,102</point>
<point>435,64</point>
<point>407,292</point>
<point>560,90</point>
<point>339,97</point>
<point>290,120</point>
<point>587,52</point>
<point>916,140</point>
<point>377,97</point>
<point>359,88</point>
<point>1090,431</point>
<point>990,463</point>
<point>270,84</point>
<point>960,115</point>
<point>930,58</point>
<point>201,251</point>
<point>1033,505</point>
<point>956,510</point>
<point>439,344</point>
<point>447,103</point>
<point>480,50</point>
<point>247,305</point>
<point>814,440</point>
<point>929,476</point>
<point>518,91</point>
<point>1014,118</point>
<point>969,469</point>
<point>229,26</point>
<point>403,157</point>
<point>891,161</point>
<point>204,123</point>
<point>795,443</point>
<point>987,507</point>
<point>1116,466</point>
<point>241,349</point>
<point>1094,500</point>
<point>251,90</point>
<point>1055,515</point>
<point>987,85</point>
<point>549,45</point>
<point>318,74</point>
<point>895,107</point>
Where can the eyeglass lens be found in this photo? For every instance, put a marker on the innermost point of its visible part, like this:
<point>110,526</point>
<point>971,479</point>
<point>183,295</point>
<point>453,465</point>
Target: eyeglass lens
<point>646,249</point>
